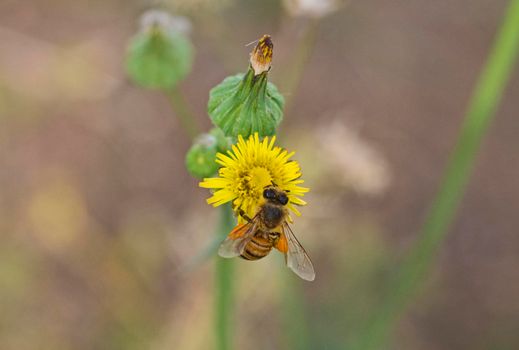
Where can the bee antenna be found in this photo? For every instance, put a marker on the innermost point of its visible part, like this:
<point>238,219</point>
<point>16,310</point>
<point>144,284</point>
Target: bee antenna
<point>274,184</point>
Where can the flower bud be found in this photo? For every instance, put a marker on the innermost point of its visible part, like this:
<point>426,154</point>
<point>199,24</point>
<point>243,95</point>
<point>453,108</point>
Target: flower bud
<point>223,143</point>
<point>247,103</point>
<point>261,56</point>
<point>160,55</point>
<point>201,157</point>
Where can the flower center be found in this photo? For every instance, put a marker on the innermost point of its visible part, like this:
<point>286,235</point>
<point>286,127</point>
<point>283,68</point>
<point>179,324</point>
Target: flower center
<point>253,182</point>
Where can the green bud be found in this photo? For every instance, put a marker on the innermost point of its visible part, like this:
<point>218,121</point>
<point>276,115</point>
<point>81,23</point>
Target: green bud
<point>201,157</point>
<point>245,104</point>
<point>160,55</point>
<point>223,143</point>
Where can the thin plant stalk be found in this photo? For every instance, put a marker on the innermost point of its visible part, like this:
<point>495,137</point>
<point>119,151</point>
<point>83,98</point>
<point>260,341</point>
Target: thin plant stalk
<point>294,312</point>
<point>481,109</point>
<point>295,317</point>
<point>183,112</point>
<point>224,286</point>
<point>300,58</point>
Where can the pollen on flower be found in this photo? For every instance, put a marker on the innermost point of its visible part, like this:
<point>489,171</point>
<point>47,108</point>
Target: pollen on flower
<point>261,56</point>
<point>248,168</point>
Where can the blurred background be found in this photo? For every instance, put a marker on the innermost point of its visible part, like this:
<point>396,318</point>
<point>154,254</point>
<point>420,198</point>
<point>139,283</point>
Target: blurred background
<point>102,229</point>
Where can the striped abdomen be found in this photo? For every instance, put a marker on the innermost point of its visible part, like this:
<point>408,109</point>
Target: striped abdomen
<point>259,246</point>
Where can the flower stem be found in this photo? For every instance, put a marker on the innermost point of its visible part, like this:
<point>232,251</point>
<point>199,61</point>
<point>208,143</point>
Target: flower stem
<point>482,107</point>
<point>183,112</point>
<point>295,315</point>
<point>295,71</point>
<point>224,269</point>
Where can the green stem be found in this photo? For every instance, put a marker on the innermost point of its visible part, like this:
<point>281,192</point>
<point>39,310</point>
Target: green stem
<point>295,315</point>
<point>224,286</point>
<point>295,71</point>
<point>183,112</point>
<point>482,107</point>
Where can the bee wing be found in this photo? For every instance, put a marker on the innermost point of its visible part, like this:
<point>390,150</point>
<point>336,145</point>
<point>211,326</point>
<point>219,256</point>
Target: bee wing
<point>296,257</point>
<point>236,241</point>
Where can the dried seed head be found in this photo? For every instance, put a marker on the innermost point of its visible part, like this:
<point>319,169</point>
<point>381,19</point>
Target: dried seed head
<point>312,8</point>
<point>261,56</point>
<point>153,19</point>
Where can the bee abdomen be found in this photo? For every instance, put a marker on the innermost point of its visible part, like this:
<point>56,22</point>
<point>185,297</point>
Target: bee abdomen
<point>256,249</point>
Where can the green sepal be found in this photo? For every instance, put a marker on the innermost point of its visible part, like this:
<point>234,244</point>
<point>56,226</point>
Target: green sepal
<point>246,103</point>
<point>159,58</point>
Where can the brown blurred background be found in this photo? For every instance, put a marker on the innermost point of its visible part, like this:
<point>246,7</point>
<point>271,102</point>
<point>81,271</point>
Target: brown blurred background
<point>100,221</point>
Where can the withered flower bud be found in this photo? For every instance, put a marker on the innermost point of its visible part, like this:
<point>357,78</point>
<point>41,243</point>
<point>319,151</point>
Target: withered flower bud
<point>261,56</point>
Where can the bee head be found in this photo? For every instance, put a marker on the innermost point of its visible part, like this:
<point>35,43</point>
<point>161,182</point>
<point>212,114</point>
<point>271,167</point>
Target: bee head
<point>272,194</point>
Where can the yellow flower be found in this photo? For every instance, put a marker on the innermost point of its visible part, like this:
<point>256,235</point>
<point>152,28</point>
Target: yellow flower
<point>248,168</point>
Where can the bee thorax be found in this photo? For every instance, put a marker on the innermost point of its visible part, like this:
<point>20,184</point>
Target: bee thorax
<point>272,216</point>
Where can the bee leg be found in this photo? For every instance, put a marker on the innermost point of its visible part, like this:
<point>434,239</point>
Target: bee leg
<point>243,215</point>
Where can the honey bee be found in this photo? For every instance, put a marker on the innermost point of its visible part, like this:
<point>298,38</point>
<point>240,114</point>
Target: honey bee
<point>268,229</point>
